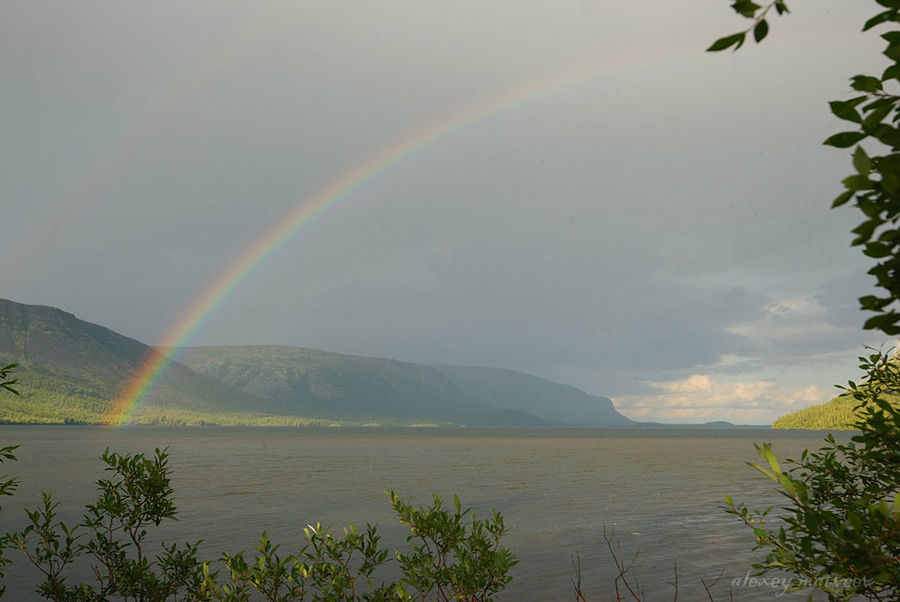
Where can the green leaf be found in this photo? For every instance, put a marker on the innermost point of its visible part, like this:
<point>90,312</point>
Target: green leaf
<point>880,507</point>
<point>892,52</point>
<point>735,40</point>
<point>877,250</point>
<point>883,322</point>
<point>844,139</point>
<point>876,20</point>
<point>842,198</point>
<point>892,72</point>
<point>861,161</point>
<point>786,483</point>
<point>762,470</point>
<point>877,114</point>
<point>730,502</point>
<point>890,181</point>
<point>871,303</point>
<point>865,83</point>
<point>769,456</point>
<point>887,135</point>
<point>781,7</point>
<point>745,8</point>
<point>846,109</point>
<point>857,182</point>
<point>760,31</point>
<point>865,231</point>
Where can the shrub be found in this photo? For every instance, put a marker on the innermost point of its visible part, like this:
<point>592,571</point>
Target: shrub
<point>113,534</point>
<point>449,559</point>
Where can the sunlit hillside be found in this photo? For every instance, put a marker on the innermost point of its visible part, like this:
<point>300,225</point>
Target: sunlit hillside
<point>837,414</point>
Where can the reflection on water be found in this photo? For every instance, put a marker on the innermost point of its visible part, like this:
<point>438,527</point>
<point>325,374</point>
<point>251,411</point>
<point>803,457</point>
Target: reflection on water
<point>657,490</point>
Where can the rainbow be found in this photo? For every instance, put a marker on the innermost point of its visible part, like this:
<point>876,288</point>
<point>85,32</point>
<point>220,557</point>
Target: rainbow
<point>308,208</point>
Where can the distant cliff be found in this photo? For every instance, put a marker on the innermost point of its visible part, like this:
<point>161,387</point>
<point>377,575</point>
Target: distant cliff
<point>547,400</point>
<point>341,386</point>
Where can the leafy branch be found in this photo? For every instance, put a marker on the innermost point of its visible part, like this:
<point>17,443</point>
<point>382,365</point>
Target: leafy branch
<point>6,382</point>
<point>875,184</point>
<point>759,25</point>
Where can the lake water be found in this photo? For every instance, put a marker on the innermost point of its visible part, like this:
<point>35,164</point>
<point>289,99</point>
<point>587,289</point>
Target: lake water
<point>658,490</point>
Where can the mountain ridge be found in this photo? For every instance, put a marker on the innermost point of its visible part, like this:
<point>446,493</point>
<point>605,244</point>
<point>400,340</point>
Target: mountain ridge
<point>518,394</point>
<point>71,370</point>
<point>520,391</point>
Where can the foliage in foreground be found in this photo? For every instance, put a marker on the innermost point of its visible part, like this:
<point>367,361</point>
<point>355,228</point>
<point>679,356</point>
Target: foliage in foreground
<point>112,535</point>
<point>449,561</point>
<point>840,531</point>
<point>454,556</point>
<point>8,483</point>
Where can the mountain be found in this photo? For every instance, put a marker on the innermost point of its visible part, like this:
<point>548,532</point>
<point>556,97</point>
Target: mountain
<point>329,384</point>
<point>71,371</point>
<point>320,383</point>
<point>553,402</point>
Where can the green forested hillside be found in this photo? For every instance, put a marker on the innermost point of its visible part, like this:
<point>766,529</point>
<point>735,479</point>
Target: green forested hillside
<point>71,371</point>
<point>837,414</point>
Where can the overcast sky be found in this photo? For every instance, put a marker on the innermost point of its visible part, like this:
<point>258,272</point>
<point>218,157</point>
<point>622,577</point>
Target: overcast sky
<point>656,230</point>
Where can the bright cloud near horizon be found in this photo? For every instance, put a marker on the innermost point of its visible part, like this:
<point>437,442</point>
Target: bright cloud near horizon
<point>589,197</point>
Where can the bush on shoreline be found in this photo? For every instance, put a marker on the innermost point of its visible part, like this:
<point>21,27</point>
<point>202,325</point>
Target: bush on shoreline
<point>453,555</point>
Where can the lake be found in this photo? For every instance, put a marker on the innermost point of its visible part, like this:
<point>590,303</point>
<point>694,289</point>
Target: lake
<point>658,491</point>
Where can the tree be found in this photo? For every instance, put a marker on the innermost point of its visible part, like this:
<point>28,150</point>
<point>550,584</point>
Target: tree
<point>840,531</point>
